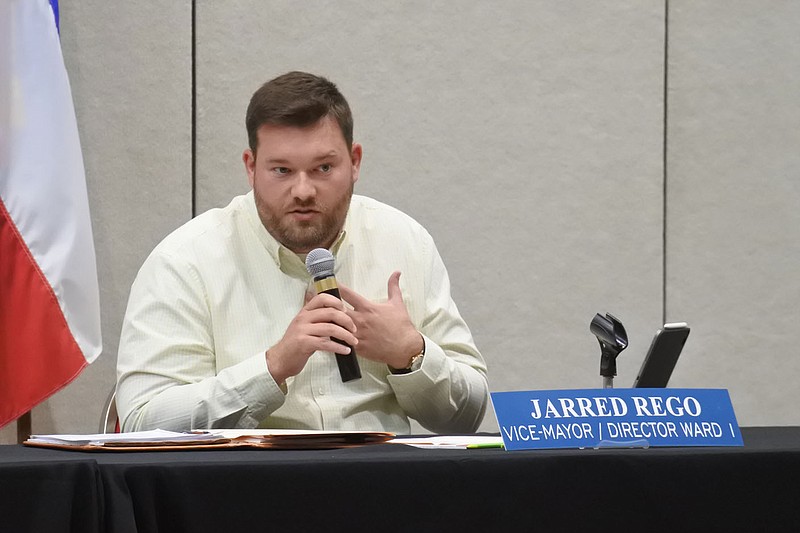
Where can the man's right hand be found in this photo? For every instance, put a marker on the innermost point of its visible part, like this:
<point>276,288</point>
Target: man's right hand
<point>322,317</point>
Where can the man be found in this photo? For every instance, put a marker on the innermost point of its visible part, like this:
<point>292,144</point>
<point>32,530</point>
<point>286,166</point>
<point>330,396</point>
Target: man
<point>221,330</point>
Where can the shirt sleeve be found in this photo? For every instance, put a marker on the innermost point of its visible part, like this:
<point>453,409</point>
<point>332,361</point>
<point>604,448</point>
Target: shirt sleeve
<point>166,366</point>
<point>449,392</point>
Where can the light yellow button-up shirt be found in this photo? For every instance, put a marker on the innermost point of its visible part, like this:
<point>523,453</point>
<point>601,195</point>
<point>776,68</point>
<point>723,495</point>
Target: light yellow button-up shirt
<point>215,294</point>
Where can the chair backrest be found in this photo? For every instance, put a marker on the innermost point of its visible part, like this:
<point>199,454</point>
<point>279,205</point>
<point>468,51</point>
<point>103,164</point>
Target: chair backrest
<point>109,421</point>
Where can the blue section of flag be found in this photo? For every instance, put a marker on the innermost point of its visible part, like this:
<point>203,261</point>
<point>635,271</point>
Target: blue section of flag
<point>54,5</point>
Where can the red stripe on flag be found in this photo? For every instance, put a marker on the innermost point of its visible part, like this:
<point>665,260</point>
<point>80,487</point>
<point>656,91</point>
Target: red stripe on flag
<point>38,354</point>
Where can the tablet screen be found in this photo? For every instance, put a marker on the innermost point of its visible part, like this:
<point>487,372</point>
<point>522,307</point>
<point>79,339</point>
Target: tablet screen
<point>662,356</point>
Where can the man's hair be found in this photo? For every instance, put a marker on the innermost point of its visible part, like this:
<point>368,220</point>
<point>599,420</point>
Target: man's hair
<point>297,99</point>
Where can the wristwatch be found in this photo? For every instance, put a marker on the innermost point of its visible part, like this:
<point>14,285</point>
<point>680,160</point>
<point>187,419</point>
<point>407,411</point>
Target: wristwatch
<point>413,364</point>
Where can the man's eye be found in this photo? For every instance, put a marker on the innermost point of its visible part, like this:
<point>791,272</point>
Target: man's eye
<point>281,170</point>
<point>325,168</point>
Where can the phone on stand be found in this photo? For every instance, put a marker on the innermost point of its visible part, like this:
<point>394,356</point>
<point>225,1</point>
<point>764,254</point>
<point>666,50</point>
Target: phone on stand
<point>662,356</point>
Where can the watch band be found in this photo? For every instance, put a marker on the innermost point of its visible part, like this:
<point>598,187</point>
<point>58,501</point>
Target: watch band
<point>413,364</point>
<point>416,362</point>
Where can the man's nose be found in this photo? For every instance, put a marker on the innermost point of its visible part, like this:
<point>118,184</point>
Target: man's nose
<point>303,187</point>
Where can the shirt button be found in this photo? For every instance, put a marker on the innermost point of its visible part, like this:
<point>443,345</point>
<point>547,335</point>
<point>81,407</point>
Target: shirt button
<point>321,391</point>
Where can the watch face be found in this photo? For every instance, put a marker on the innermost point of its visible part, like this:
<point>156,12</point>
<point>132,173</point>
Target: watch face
<point>416,362</point>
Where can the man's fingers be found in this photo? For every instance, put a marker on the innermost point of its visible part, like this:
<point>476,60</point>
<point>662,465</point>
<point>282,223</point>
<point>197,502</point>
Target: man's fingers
<point>352,297</point>
<point>320,301</point>
<point>395,294</point>
<point>357,301</point>
<point>329,315</point>
<point>332,331</point>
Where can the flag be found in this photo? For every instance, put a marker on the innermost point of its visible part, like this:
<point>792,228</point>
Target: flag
<point>49,297</point>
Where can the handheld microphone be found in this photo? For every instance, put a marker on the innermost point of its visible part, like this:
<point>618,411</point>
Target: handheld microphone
<point>319,263</point>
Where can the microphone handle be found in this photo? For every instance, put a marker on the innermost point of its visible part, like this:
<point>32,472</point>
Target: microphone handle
<point>347,363</point>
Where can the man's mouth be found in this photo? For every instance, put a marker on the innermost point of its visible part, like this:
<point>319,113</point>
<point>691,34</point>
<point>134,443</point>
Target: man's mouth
<point>303,214</point>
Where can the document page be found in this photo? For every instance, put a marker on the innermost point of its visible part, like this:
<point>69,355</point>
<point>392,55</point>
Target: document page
<point>459,442</point>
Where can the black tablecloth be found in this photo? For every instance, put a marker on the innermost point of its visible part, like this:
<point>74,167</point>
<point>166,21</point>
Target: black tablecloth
<point>391,487</point>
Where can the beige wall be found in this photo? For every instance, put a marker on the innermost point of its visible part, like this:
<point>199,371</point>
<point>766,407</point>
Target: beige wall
<point>733,218</point>
<point>528,136</point>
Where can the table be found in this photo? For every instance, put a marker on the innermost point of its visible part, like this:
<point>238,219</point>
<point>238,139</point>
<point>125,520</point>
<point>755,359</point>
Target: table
<point>390,487</point>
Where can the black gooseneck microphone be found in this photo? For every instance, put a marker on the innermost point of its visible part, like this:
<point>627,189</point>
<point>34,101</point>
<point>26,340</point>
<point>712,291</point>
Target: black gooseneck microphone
<point>319,263</point>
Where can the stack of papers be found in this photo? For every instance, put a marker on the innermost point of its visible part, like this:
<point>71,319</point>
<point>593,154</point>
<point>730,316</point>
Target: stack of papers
<point>287,439</point>
<point>293,439</point>
<point>451,442</point>
<point>252,438</point>
<point>141,438</point>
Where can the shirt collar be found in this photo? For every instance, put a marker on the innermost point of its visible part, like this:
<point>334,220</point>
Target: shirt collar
<point>287,261</point>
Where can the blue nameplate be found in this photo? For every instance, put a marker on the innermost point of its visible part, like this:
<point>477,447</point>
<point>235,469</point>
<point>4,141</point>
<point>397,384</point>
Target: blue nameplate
<point>596,418</point>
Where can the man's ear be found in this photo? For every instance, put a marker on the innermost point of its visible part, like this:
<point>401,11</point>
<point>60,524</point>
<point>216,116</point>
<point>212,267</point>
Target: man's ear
<point>355,159</point>
<point>249,159</point>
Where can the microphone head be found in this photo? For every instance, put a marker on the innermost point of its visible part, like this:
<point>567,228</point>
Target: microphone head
<point>319,263</point>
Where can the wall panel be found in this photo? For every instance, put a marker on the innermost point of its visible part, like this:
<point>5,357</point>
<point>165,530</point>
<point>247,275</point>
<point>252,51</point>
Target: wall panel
<point>733,243</point>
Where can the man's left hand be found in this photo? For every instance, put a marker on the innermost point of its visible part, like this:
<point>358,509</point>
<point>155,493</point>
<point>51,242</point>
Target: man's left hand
<point>384,330</point>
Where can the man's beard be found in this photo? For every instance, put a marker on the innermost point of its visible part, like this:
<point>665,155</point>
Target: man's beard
<point>304,236</point>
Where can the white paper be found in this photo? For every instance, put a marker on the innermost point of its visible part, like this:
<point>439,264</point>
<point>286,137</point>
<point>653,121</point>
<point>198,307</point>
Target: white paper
<point>451,442</point>
<point>153,436</point>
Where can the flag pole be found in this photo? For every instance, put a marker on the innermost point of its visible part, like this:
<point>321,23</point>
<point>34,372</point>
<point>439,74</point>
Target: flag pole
<point>23,427</point>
